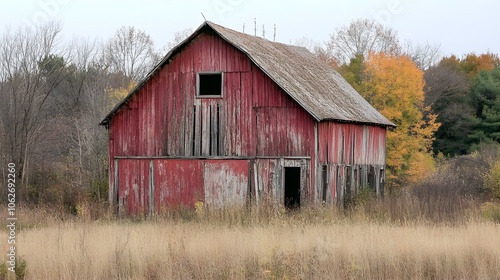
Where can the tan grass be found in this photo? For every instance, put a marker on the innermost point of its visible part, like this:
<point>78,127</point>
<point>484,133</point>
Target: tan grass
<point>285,248</point>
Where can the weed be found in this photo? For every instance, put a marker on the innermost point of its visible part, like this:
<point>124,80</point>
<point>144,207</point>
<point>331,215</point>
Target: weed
<point>491,211</point>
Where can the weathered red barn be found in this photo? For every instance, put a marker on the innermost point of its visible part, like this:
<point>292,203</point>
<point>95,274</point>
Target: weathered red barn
<point>227,118</point>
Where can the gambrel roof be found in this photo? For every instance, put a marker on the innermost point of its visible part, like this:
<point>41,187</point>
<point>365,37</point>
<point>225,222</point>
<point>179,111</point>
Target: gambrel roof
<point>312,83</point>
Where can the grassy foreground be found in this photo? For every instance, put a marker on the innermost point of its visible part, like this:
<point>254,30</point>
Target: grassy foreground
<point>312,245</point>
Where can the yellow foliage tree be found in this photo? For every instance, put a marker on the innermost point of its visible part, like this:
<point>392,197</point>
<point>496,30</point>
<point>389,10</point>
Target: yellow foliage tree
<point>117,94</point>
<point>394,86</point>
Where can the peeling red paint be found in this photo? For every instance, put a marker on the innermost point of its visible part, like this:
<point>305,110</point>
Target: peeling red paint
<point>133,190</point>
<point>345,143</point>
<point>226,182</point>
<point>177,183</point>
<point>354,148</point>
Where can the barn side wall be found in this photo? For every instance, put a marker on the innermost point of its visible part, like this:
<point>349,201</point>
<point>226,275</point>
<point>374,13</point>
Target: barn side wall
<point>253,118</point>
<point>154,185</point>
<point>147,185</point>
<point>351,157</point>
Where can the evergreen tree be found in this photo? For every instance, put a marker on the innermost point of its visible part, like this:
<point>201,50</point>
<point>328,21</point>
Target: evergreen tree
<point>485,97</point>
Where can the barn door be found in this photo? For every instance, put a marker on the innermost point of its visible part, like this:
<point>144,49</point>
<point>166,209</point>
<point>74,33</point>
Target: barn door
<point>226,182</point>
<point>178,183</point>
<point>133,186</point>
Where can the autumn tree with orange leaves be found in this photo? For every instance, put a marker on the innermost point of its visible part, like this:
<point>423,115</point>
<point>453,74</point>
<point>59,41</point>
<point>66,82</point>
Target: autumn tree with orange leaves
<point>394,86</point>
<point>472,64</point>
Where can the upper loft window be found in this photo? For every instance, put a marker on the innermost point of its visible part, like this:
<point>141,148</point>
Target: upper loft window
<point>209,84</point>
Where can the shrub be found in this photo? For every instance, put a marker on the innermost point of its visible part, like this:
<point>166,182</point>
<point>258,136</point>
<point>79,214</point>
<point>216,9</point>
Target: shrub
<point>99,190</point>
<point>491,211</point>
<point>492,181</point>
<point>20,269</point>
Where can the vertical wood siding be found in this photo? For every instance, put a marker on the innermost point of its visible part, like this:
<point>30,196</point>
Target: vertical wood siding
<point>177,183</point>
<point>270,179</point>
<point>167,119</point>
<point>345,143</point>
<point>354,156</point>
<point>173,183</point>
<point>133,187</point>
<point>253,118</point>
<point>226,182</point>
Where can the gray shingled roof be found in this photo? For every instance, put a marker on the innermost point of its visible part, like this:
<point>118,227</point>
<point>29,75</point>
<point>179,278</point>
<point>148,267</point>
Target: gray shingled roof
<point>316,86</point>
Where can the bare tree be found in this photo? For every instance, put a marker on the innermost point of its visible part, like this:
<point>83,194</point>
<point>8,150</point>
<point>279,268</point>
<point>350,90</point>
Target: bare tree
<point>361,37</point>
<point>25,90</point>
<point>84,102</point>
<point>179,36</point>
<point>85,54</point>
<point>131,52</point>
<point>320,50</point>
<point>51,101</point>
<point>443,83</point>
<point>446,93</point>
<point>424,56</point>
<point>307,43</point>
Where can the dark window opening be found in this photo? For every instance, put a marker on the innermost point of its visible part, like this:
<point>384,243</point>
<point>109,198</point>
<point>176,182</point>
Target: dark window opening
<point>348,192</point>
<point>325,182</point>
<point>382,183</point>
<point>355,179</point>
<point>209,84</point>
<point>292,187</point>
<point>371,178</point>
<point>338,186</point>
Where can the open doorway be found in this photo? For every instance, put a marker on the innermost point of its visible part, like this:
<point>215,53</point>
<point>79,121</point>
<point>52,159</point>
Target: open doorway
<point>292,187</point>
<point>324,177</point>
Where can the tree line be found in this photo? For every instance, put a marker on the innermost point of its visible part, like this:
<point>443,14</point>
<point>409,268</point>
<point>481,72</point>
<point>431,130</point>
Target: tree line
<point>53,95</point>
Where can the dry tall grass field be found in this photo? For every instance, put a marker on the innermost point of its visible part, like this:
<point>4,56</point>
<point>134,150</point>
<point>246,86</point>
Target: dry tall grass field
<point>311,244</point>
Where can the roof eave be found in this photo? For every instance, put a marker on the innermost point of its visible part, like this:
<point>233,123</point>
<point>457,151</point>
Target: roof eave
<point>390,124</point>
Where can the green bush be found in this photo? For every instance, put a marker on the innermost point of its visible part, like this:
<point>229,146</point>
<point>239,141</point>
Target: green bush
<point>3,270</point>
<point>20,269</point>
<point>99,190</point>
<point>492,180</point>
<point>491,211</point>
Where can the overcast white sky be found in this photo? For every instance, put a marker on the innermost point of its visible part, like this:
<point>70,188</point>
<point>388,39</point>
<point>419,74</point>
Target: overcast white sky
<point>459,26</point>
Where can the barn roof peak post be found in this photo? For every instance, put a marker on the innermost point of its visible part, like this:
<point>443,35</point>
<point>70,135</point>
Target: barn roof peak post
<point>312,83</point>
